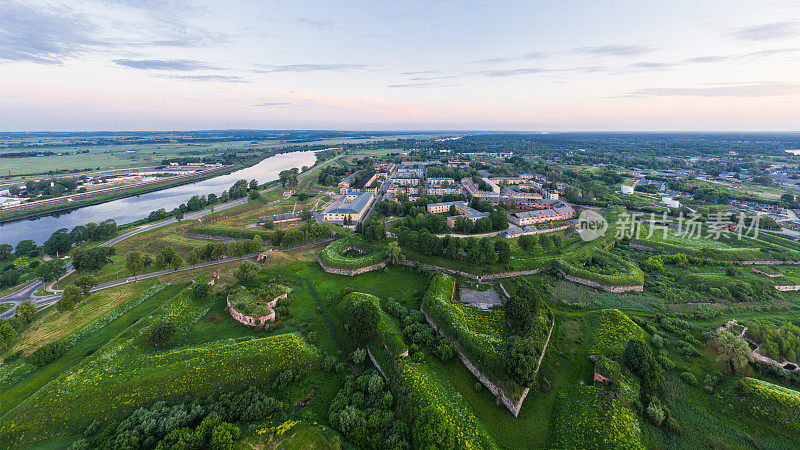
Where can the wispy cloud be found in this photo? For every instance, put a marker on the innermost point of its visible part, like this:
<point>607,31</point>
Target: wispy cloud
<point>221,78</point>
<point>269,104</point>
<point>769,31</point>
<point>760,89</point>
<point>613,50</point>
<point>421,84</point>
<point>525,57</point>
<point>311,68</point>
<point>318,24</point>
<point>182,65</point>
<point>512,72</point>
<point>651,65</point>
<point>44,37</point>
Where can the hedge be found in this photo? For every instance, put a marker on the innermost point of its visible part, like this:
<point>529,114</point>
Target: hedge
<point>231,232</point>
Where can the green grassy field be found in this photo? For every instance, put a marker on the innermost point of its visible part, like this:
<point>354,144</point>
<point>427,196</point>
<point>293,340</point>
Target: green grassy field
<point>133,374</point>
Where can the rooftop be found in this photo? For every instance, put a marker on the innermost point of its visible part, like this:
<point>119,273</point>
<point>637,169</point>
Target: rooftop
<point>342,206</point>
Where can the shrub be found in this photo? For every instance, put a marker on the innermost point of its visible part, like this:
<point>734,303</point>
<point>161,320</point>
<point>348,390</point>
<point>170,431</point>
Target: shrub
<point>359,355</point>
<point>689,378</point>
<point>47,354</point>
<point>656,414</point>
<point>162,333</point>
<point>201,291</point>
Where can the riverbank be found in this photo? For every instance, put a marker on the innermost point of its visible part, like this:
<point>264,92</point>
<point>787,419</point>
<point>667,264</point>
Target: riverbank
<point>69,203</point>
<point>137,206</point>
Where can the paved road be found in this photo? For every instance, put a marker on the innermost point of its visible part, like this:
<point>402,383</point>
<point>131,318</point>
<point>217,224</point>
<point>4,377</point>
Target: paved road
<point>28,292</point>
<point>47,300</point>
<point>190,216</point>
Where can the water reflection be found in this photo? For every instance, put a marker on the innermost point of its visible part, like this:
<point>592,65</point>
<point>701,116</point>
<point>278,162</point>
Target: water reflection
<point>134,208</point>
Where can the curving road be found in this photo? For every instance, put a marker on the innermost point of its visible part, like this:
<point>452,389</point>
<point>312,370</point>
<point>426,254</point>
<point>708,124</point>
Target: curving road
<point>28,292</point>
<point>47,300</point>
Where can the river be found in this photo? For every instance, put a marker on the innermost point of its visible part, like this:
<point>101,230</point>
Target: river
<point>129,209</point>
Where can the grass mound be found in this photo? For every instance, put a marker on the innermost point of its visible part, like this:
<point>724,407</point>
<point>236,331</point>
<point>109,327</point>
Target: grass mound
<point>610,329</point>
<point>481,334</point>
<point>388,330</point>
<point>334,254</point>
<point>427,388</point>
<point>127,373</point>
<point>588,417</point>
<point>772,402</point>
<point>602,267</point>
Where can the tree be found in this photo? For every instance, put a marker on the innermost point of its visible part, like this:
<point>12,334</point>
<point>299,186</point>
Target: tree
<point>431,430</point>
<point>246,271</point>
<point>176,262</point>
<point>86,283</point>
<point>25,311</point>
<point>7,332</point>
<point>201,291</point>
<point>5,251</point>
<point>106,229</point>
<point>394,253</point>
<point>362,322</point>
<point>639,358</point>
<point>519,316</point>
<point>72,295</point>
<point>239,189</point>
<point>255,195</point>
<point>26,247</point>
<point>373,230</point>
<point>78,234</point>
<point>9,277</point>
<point>254,184</point>
<point>134,262</point>
<point>503,250</point>
<point>92,259</point>
<point>162,333</point>
<point>731,349</point>
<point>164,259</point>
<point>59,242</point>
<point>50,270</point>
<point>520,359</point>
<point>178,214</point>
<point>223,435</point>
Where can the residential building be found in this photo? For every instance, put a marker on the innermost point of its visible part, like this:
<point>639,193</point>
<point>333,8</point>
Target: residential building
<point>352,205</point>
<point>462,208</point>
<point>522,219</point>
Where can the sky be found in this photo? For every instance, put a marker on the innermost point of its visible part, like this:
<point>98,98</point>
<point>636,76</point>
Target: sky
<point>88,65</point>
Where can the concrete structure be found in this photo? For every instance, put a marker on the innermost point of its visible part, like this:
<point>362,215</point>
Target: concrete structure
<point>365,183</point>
<point>522,219</point>
<point>255,321</point>
<point>626,189</point>
<point>508,180</point>
<point>462,208</point>
<point>406,181</point>
<point>442,186</point>
<point>352,205</point>
<point>669,201</point>
<point>495,188</point>
<point>281,218</point>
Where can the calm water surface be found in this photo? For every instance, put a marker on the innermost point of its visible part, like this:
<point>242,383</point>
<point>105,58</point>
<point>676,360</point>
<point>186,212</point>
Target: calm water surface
<point>129,209</point>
